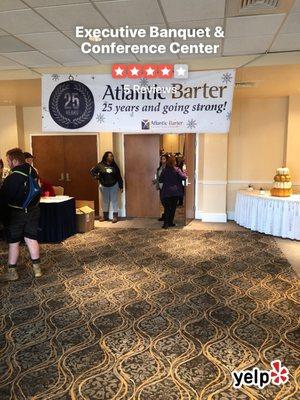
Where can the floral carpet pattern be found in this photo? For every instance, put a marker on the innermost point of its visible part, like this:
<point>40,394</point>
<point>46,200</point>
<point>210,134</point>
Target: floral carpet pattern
<point>150,315</point>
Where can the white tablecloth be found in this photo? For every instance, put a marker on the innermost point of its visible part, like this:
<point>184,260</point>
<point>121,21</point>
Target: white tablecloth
<point>55,199</point>
<point>266,214</point>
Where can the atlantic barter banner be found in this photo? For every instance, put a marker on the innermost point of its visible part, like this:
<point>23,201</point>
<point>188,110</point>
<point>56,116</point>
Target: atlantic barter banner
<point>201,103</point>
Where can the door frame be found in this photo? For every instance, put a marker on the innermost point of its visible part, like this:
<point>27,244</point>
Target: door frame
<point>122,161</point>
<point>69,134</point>
<point>196,173</point>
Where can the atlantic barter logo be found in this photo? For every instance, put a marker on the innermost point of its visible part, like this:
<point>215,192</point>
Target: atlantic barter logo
<point>145,124</point>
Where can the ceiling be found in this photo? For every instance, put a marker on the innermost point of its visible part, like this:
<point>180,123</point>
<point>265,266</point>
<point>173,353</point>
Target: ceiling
<point>38,36</point>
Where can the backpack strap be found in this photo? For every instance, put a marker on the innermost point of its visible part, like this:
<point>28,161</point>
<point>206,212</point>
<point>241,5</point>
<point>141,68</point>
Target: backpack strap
<point>20,173</point>
<point>19,208</point>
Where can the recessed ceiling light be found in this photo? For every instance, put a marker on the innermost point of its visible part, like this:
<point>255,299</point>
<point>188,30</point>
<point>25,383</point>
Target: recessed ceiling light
<point>95,38</point>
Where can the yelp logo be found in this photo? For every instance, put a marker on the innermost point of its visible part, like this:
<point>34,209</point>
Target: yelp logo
<point>261,378</point>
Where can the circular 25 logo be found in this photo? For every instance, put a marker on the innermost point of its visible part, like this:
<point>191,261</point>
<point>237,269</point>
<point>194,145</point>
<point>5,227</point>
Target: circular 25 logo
<point>71,104</point>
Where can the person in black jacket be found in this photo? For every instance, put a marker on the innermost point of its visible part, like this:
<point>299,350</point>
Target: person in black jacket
<point>171,178</point>
<point>155,181</point>
<point>110,181</point>
<point>19,223</point>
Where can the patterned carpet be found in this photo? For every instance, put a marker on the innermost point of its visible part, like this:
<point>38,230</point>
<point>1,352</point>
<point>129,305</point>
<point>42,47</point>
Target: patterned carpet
<point>150,315</point>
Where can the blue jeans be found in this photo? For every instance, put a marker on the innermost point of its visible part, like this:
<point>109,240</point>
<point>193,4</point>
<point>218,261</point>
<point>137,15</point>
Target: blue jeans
<point>109,196</point>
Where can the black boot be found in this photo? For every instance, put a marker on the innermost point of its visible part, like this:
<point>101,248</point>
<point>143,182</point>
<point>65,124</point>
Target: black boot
<point>115,217</point>
<point>105,216</point>
<point>162,217</point>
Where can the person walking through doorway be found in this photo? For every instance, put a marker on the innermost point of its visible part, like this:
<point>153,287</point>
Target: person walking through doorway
<point>20,197</point>
<point>162,165</point>
<point>181,165</point>
<point>110,181</point>
<point>171,178</point>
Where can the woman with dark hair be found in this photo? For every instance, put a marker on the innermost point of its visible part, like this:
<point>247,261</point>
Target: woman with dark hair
<point>162,165</point>
<point>171,178</point>
<point>180,164</point>
<point>110,181</point>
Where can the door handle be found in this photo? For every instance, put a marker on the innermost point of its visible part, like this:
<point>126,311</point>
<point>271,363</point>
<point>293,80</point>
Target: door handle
<point>68,177</point>
<point>62,177</point>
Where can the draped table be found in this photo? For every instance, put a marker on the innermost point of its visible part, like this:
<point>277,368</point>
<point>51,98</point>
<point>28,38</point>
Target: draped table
<point>57,219</point>
<point>277,216</point>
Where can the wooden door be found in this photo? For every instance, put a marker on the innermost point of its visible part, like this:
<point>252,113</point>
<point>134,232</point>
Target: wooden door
<point>48,152</point>
<point>66,161</point>
<point>141,161</point>
<point>80,158</point>
<point>190,161</point>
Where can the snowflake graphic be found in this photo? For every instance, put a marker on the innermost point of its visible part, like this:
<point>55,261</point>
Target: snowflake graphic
<point>55,77</point>
<point>226,78</point>
<point>228,116</point>
<point>100,118</point>
<point>144,82</point>
<point>191,124</point>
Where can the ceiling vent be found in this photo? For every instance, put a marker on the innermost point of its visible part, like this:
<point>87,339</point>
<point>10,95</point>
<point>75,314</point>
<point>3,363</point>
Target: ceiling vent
<point>255,5</point>
<point>236,8</point>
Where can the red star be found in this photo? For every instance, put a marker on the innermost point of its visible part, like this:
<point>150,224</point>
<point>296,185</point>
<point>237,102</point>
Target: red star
<point>150,71</point>
<point>135,71</point>
<point>165,71</point>
<point>119,71</point>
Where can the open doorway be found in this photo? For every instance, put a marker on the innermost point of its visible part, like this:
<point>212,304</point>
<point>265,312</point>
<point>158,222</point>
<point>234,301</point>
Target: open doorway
<point>183,147</point>
<point>141,155</point>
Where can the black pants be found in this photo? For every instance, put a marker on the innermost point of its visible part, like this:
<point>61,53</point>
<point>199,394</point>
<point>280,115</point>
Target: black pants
<point>163,204</point>
<point>21,224</point>
<point>170,204</point>
<point>180,198</point>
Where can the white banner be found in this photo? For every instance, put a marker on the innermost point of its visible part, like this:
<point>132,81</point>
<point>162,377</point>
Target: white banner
<point>98,103</point>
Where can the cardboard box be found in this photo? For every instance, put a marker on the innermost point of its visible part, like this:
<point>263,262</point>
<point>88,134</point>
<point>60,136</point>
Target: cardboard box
<point>82,203</point>
<point>85,219</point>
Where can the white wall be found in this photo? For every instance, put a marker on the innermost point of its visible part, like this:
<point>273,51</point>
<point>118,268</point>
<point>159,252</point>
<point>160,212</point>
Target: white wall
<point>8,130</point>
<point>264,136</point>
<point>32,117</point>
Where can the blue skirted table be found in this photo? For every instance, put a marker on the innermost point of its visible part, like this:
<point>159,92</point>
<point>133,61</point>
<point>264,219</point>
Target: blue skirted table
<point>57,219</point>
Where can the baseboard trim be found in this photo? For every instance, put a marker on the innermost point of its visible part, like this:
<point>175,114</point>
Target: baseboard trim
<point>213,217</point>
<point>230,215</point>
<point>198,214</point>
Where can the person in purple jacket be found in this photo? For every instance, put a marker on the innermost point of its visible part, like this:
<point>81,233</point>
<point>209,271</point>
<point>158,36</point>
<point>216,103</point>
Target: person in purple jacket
<point>171,178</point>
